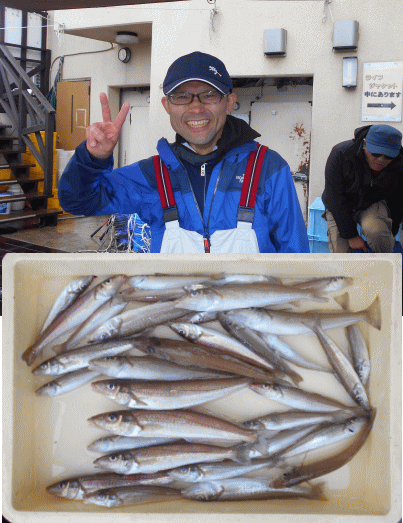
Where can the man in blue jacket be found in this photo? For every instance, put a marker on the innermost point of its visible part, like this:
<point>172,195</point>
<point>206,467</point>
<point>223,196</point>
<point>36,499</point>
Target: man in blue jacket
<point>215,189</point>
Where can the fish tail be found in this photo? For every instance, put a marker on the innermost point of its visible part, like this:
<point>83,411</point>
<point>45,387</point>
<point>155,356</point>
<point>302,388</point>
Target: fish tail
<point>29,356</point>
<point>343,300</point>
<point>374,314</point>
<point>317,492</point>
<point>59,349</point>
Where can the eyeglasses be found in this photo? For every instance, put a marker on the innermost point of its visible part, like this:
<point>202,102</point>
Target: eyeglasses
<point>384,155</point>
<point>205,97</point>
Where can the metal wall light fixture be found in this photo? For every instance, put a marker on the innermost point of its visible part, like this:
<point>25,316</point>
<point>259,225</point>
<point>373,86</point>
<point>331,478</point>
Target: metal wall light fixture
<point>345,36</point>
<point>274,42</point>
<point>350,69</point>
<point>126,37</point>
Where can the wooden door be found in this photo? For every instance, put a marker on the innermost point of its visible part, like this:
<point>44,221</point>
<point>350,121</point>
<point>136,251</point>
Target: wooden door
<point>72,113</point>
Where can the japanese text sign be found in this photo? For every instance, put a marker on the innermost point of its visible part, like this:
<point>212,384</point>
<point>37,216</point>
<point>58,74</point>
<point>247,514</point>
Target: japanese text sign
<point>382,92</point>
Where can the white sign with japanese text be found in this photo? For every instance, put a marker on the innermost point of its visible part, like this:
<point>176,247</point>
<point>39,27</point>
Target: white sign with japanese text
<point>382,92</point>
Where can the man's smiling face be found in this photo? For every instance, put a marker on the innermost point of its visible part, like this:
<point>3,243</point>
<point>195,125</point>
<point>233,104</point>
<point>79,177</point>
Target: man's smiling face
<point>201,125</point>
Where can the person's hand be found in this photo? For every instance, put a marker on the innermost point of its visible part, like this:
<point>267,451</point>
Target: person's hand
<point>358,243</point>
<point>103,136</point>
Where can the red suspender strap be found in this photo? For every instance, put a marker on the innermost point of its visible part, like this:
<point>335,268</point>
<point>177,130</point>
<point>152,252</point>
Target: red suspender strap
<point>250,183</point>
<point>165,190</point>
<point>163,183</point>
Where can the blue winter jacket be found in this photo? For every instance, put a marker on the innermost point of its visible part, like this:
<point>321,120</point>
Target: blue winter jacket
<point>90,186</point>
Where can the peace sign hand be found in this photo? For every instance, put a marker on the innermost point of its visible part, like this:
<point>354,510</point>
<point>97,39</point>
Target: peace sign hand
<point>103,136</point>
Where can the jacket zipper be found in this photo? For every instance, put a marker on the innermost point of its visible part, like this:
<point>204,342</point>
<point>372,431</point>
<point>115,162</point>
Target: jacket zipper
<point>206,237</point>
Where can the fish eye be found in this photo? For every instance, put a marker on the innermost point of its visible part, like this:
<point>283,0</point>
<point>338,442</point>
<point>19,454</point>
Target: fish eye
<point>111,386</point>
<point>113,457</point>
<point>63,484</point>
<point>150,349</point>
<point>101,496</point>
<point>112,417</point>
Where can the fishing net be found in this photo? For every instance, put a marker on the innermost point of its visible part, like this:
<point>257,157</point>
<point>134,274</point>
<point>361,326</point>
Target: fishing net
<point>125,233</point>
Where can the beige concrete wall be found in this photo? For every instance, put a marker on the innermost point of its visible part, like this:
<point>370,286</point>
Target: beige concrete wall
<point>235,34</point>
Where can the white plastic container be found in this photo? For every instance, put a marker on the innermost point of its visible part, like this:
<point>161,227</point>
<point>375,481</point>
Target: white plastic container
<point>16,190</point>
<point>45,439</point>
<point>5,207</point>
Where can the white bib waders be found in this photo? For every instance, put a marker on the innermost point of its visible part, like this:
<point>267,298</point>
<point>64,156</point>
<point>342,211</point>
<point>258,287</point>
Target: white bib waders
<point>242,239</point>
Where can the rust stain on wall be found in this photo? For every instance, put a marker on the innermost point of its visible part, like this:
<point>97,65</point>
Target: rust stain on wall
<point>298,133</point>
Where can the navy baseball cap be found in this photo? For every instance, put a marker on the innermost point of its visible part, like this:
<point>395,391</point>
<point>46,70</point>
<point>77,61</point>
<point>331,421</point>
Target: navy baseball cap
<point>198,66</point>
<point>384,139</point>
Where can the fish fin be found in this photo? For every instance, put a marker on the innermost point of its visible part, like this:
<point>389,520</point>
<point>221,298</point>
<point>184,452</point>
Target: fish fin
<point>343,300</point>
<point>296,303</point>
<point>316,296</point>
<point>137,400</point>
<point>242,453</point>
<point>262,442</point>
<point>374,314</point>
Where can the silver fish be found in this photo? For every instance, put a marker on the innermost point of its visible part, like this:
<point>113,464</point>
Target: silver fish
<point>136,320</point>
<point>326,285</point>
<point>168,281</point>
<point>164,457</point>
<point>192,354</point>
<point>174,423</point>
<point>359,349</point>
<point>79,358</point>
<point>75,314</point>
<point>283,350</point>
<point>258,345</point>
<point>219,341</point>
<point>297,398</point>
<point>292,323</point>
<point>201,317</point>
<point>278,421</point>
<point>232,296</point>
<point>112,443</point>
<point>167,395</point>
<point>68,295</point>
<point>148,368</point>
<point>280,441</point>
<point>296,475</point>
<point>118,496</point>
<point>240,489</point>
<point>79,486</point>
<point>245,278</point>
<point>213,471</point>
<point>106,311</point>
<point>152,295</point>
<point>342,366</point>
<point>357,344</point>
<point>67,382</point>
<point>327,435</point>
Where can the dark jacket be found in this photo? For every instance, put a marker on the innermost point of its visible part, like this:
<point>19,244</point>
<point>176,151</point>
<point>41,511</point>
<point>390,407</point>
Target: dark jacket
<point>350,185</point>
